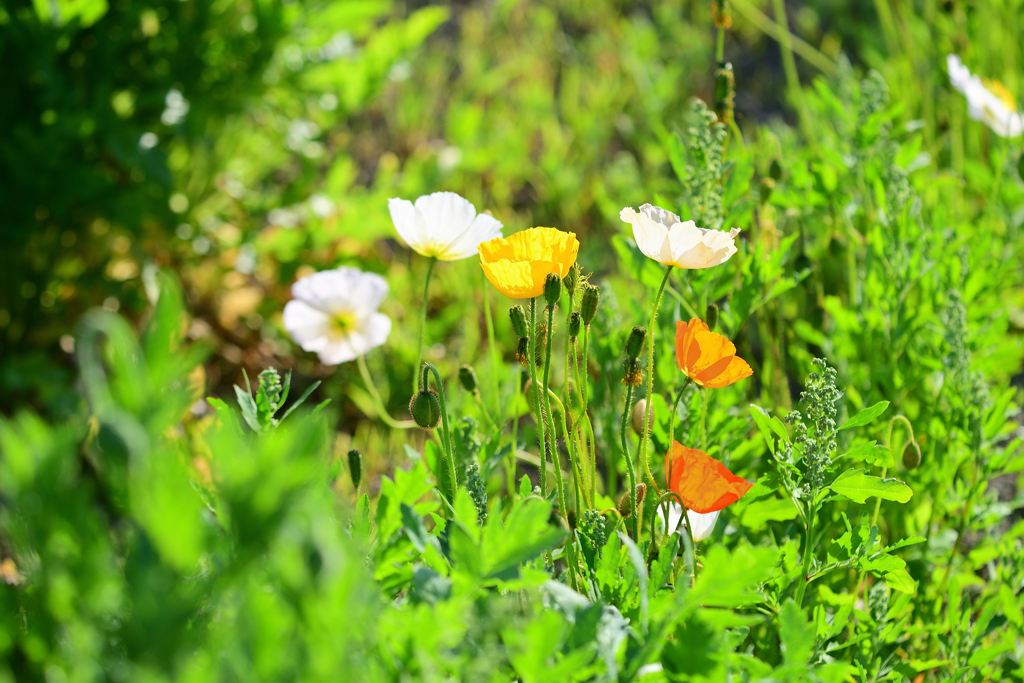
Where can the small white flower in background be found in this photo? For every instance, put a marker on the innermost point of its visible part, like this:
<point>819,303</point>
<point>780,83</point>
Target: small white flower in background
<point>334,313</point>
<point>442,225</point>
<point>662,236</point>
<point>176,108</point>
<point>701,525</point>
<point>987,101</point>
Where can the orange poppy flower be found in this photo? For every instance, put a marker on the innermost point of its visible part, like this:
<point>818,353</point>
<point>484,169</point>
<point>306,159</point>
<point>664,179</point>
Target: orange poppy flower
<point>704,484</point>
<point>706,357</point>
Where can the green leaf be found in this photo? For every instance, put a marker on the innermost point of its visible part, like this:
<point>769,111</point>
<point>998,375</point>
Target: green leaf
<point>901,581</point>
<point>871,454</point>
<point>882,564</point>
<point>858,487</point>
<point>865,416</point>
<point>757,514</point>
<point>986,655</point>
<point>770,426</point>
<point>796,633</point>
<point>248,406</point>
<point>730,580</point>
<point>525,535</point>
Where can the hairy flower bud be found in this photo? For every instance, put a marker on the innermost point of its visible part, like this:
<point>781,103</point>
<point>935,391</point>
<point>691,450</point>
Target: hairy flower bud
<point>711,316</point>
<point>518,317</point>
<point>575,322</point>
<point>467,377</point>
<point>589,302</point>
<point>355,467</point>
<point>552,289</point>
<point>635,343</point>
<point>626,502</point>
<point>911,455</point>
<point>523,351</point>
<point>425,409</point>
<point>572,279</point>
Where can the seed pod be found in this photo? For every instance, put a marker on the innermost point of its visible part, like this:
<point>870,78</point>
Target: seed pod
<point>911,455</point>
<point>425,409</point>
<point>589,302</point>
<point>638,416</point>
<point>523,351</point>
<point>467,377</point>
<point>711,316</point>
<point>635,343</point>
<point>572,279</point>
<point>552,289</point>
<point>355,467</point>
<point>575,322</point>
<point>518,317</point>
<point>631,375</point>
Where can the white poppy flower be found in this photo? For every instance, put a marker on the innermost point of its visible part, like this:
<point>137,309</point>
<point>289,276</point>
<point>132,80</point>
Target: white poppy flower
<point>701,525</point>
<point>987,101</point>
<point>442,225</point>
<point>334,312</point>
<point>663,237</point>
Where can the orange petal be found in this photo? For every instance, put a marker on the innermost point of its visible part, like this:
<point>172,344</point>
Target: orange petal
<point>702,483</point>
<point>725,372</point>
<point>687,353</point>
<point>713,348</point>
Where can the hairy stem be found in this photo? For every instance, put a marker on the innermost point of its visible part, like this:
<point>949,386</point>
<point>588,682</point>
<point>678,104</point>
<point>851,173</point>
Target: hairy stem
<point>423,321</point>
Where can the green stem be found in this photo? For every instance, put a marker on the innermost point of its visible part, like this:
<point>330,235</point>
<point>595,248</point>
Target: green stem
<point>693,544</point>
<point>629,462</point>
<point>675,410</point>
<point>796,93</point>
<point>649,410</point>
<point>450,454</point>
<point>534,381</point>
<point>492,347</point>
<point>382,412</point>
<point>423,321</point>
<point>553,440</point>
<point>808,541</point>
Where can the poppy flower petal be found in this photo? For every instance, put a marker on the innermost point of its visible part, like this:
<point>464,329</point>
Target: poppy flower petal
<point>703,484</point>
<point>725,372</point>
<point>687,353</point>
<point>713,348</point>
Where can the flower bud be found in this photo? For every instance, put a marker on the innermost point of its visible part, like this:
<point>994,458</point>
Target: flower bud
<point>355,467</point>
<point>552,289</point>
<point>911,455</point>
<point>518,317</point>
<point>588,304</point>
<point>467,377</point>
<point>575,322</point>
<point>425,409</point>
<point>631,374</point>
<point>767,185</point>
<point>572,279</point>
<point>725,92</point>
<point>639,415</point>
<point>523,351</point>
<point>635,343</point>
<point>775,170</point>
<point>711,316</point>
<point>626,502</point>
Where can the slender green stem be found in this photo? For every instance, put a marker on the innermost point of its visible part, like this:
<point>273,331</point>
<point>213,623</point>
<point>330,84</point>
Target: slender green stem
<point>553,440</point>
<point>649,412</point>
<point>534,381</point>
<point>423,320</point>
<point>675,410</point>
<point>382,412</point>
<point>796,93</point>
<point>693,544</point>
<point>703,420</point>
<point>629,462</point>
<point>808,542</point>
<point>492,347</point>
<point>720,43</point>
<point>449,452</point>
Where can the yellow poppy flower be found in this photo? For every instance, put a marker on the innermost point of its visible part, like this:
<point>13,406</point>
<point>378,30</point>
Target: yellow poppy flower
<point>518,265</point>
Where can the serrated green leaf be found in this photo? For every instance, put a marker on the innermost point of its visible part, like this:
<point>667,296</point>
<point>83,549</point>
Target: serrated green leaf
<point>796,633</point>
<point>858,487</point>
<point>900,580</point>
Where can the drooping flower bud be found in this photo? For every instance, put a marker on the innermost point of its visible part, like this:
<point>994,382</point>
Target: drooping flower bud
<point>518,317</point>
<point>575,322</point>
<point>467,378</point>
<point>626,502</point>
<point>572,279</point>
<point>711,316</point>
<point>588,304</point>
<point>911,455</point>
<point>552,289</point>
<point>523,351</point>
<point>425,409</point>
<point>355,467</point>
<point>635,343</point>
<point>639,415</point>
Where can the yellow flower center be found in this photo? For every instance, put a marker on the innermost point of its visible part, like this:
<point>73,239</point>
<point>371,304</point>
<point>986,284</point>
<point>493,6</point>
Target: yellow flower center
<point>343,322</point>
<point>1000,91</point>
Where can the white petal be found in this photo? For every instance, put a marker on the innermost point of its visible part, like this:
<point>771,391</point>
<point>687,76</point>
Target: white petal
<point>344,289</point>
<point>408,223</point>
<point>482,229</point>
<point>446,216</point>
<point>659,215</point>
<point>308,326</point>
<point>702,526</point>
<point>651,235</point>
<point>336,352</point>
<point>371,332</point>
<point>675,515</point>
